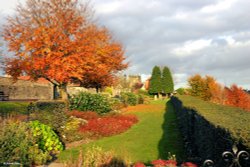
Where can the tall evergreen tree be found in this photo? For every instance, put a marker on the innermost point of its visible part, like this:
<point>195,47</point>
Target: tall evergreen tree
<point>155,86</point>
<point>167,81</point>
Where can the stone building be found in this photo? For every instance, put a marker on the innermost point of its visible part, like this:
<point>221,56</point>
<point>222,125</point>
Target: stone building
<point>25,89</point>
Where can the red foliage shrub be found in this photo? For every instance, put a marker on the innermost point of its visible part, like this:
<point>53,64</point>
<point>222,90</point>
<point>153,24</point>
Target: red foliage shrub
<point>188,164</point>
<point>139,164</point>
<point>87,115</point>
<point>237,97</point>
<point>109,125</point>
<point>162,163</point>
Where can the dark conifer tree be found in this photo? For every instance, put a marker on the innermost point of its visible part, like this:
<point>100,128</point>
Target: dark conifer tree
<point>155,86</point>
<point>167,81</point>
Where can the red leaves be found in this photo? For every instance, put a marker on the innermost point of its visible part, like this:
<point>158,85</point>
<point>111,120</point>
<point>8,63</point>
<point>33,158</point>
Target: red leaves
<point>188,164</point>
<point>237,97</point>
<point>166,163</point>
<point>109,125</point>
<point>208,89</point>
<point>163,163</point>
<point>139,164</point>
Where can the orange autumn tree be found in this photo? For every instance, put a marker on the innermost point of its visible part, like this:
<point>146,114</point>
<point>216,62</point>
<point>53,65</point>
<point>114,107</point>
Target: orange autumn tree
<point>57,40</point>
<point>237,97</point>
<point>206,88</point>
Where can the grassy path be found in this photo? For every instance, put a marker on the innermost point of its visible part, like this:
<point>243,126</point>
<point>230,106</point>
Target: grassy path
<point>151,138</point>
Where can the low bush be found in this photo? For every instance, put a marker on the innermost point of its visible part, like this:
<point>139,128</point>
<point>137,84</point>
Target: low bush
<point>70,131</point>
<point>50,105</point>
<point>56,118</point>
<point>29,143</point>
<point>87,115</point>
<point>116,104</point>
<point>209,129</point>
<point>108,125</point>
<point>85,101</point>
<point>129,98</point>
<point>180,91</point>
<point>46,138</point>
<point>96,157</point>
<point>140,99</point>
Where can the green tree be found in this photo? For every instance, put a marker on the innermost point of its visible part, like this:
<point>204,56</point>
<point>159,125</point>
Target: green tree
<point>167,81</point>
<point>155,86</point>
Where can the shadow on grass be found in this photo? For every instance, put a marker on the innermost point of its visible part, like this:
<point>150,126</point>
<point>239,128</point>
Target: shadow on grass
<point>171,141</point>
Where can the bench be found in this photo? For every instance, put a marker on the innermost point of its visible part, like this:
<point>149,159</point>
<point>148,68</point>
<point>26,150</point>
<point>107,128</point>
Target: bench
<point>3,97</point>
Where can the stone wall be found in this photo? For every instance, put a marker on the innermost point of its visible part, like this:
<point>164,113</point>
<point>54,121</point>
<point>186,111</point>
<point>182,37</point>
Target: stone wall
<point>26,89</point>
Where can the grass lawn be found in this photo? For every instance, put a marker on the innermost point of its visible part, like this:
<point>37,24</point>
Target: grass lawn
<point>151,138</point>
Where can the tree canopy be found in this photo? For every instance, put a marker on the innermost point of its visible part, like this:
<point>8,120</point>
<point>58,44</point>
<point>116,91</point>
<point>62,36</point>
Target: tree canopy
<point>167,81</point>
<point>155,86</point>
<point>59,41</point>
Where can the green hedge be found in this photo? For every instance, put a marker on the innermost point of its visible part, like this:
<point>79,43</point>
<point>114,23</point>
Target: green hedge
<point>50,105</point>
<point>85,101</point>
<point>209,129</point>
<point>12,108</point>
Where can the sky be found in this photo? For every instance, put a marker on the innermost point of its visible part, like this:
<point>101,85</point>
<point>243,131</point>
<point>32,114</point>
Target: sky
<point>207,37</point>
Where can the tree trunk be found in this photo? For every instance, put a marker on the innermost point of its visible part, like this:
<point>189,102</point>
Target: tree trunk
<point>97,89</point>
<point>63,92</point>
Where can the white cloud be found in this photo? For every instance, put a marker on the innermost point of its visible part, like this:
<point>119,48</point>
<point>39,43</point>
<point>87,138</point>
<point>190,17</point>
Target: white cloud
<point>190,47</point>
<point>220,6</point>
<point>106,8</point>
<point>7,7</point>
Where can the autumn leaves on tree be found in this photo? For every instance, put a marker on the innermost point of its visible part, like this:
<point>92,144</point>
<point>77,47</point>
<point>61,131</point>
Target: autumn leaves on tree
<point>209,89</point>
<point>57,40</point>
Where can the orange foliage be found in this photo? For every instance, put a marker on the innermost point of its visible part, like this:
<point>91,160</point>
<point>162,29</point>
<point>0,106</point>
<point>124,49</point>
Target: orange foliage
<point>57,40</point>
<point>208,88</point>
<point>237,97</point>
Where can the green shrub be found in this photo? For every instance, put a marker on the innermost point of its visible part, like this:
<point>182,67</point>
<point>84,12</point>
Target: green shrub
<point>27,143</point>
<point>180,91</point>
<point>56,118</point>
<point>46,138</point>
<point>96,156</point>
<point>129,98</point>
<point>85,101</point>
<point>140,99</point>
<point>15,142</point>
<point>70,131</point>
<point>143,92</point>
<point>116,104</point>
<point>108,90</point>
<point>50,105</point>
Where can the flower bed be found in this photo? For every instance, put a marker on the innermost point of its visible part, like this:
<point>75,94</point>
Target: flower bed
<point>108,125</point>
<point>165,163</point>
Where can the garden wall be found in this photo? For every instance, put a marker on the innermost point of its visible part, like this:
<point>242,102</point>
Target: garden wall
<point>26,89</point>
<point>205,138</point>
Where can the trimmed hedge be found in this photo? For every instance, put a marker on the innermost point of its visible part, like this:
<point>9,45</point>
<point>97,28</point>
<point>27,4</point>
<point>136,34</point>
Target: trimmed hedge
<point>50,105</point>
<point>12,108</point>
<point>209,129</point>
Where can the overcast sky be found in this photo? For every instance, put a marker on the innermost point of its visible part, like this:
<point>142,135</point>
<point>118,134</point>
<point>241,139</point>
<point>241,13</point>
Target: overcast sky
<point>189,36</point>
